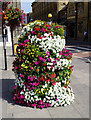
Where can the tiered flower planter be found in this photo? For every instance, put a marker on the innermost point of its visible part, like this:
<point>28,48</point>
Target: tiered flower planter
<point>42,67</point>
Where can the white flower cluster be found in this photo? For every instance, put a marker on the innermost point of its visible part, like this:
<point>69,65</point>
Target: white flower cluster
<point>64,95</point>
<point>56,96</point>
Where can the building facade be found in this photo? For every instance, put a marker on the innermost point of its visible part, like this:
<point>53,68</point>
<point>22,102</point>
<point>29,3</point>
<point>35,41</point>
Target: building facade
<point>77,18</point>
<point>29,17</point>
<point>89,22</point>
<point>42,9</point>
<point>82,20</point>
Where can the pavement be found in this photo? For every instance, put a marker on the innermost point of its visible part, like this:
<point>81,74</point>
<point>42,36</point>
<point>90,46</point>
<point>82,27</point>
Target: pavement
<point>79,82</point>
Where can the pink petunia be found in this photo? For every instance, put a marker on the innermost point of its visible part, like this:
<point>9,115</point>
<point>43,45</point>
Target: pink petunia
<point>66,54</point>
<point>33,87</point>
<point>28,77</point>
<point>56,99</point>
<point>60,53</point>
<point>56,58</point>
<point>21,50</point>
<point>44,60</point>
<point>16,68</point>
<point>36,63</point>
<point>31,79</point>
<point>21,75</point>
<point>43,30</point>
<point>47,52</point>
<point>34,76</point>
<point>31,68</point>
<point>49,27</point>
<point>32,32</point>
<point>49,59</point>
<point>40,58</point>
<point>14,98</point>
<point>22,96</point>
<point>51,66</point>
<point>53,62</point>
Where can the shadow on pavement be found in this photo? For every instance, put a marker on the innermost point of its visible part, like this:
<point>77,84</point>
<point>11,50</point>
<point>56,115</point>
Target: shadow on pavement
<point>7,92</point>
<point>7,89</point>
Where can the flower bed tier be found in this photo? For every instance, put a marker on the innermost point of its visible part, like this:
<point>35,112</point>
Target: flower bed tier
<point>42,67</point>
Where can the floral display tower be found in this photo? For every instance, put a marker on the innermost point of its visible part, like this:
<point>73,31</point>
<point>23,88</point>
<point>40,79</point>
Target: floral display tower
<point>42,67</point>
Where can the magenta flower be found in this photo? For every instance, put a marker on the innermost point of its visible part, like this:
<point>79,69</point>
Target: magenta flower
<point>22,96</point>
<point>40,58</point>
<point>56,58</point>
<point>26,41</point>
<point>49,104</point>
<point>14,98</point>
<point>47,52</point>
<point>49,59</point>
<point>44,60</point>
<point>36,63</point>
<point>49,27</point>
<point>51,66</point>
<point>33,84</point>
<point>28,77</point>
<point>14,87</point>
<point>33,87</point>
<point>32,32</point>
<point>21,75</point>
<point>31,79</point>
<point>35,105</point>
<point>43,30</point>
<point>60,53</point>
<point>21,50</point>
<point>66,54</point>
<point>16,68</point>
<point>56,99</point>
<point>31,68</point>
<point>53,62</point>
<point>34,76</point>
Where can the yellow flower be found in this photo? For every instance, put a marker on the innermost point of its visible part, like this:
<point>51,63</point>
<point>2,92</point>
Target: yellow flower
<point>67,82</point>
<point>32,55</point>
<point>68,77</point>
<point>57,77</point>
<point>65,74</point>
<point>23,65</point>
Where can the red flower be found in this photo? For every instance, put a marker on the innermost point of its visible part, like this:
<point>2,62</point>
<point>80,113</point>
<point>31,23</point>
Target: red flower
<point>44,64</point>
<point>37,29</point>
<point>47,31</point>
<point>54,83</point>
<point>35,33</point>
<point>27,34</point>
<point>40,37</point>
<point>43,78</point>
<point>52,80</point>
<point>44,71</point>
<point>47,25</point>
<point>53,75</point>
<point>24,14</point>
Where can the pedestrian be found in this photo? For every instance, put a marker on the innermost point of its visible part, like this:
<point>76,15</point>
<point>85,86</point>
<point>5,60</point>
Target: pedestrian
<point>85,35</point>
